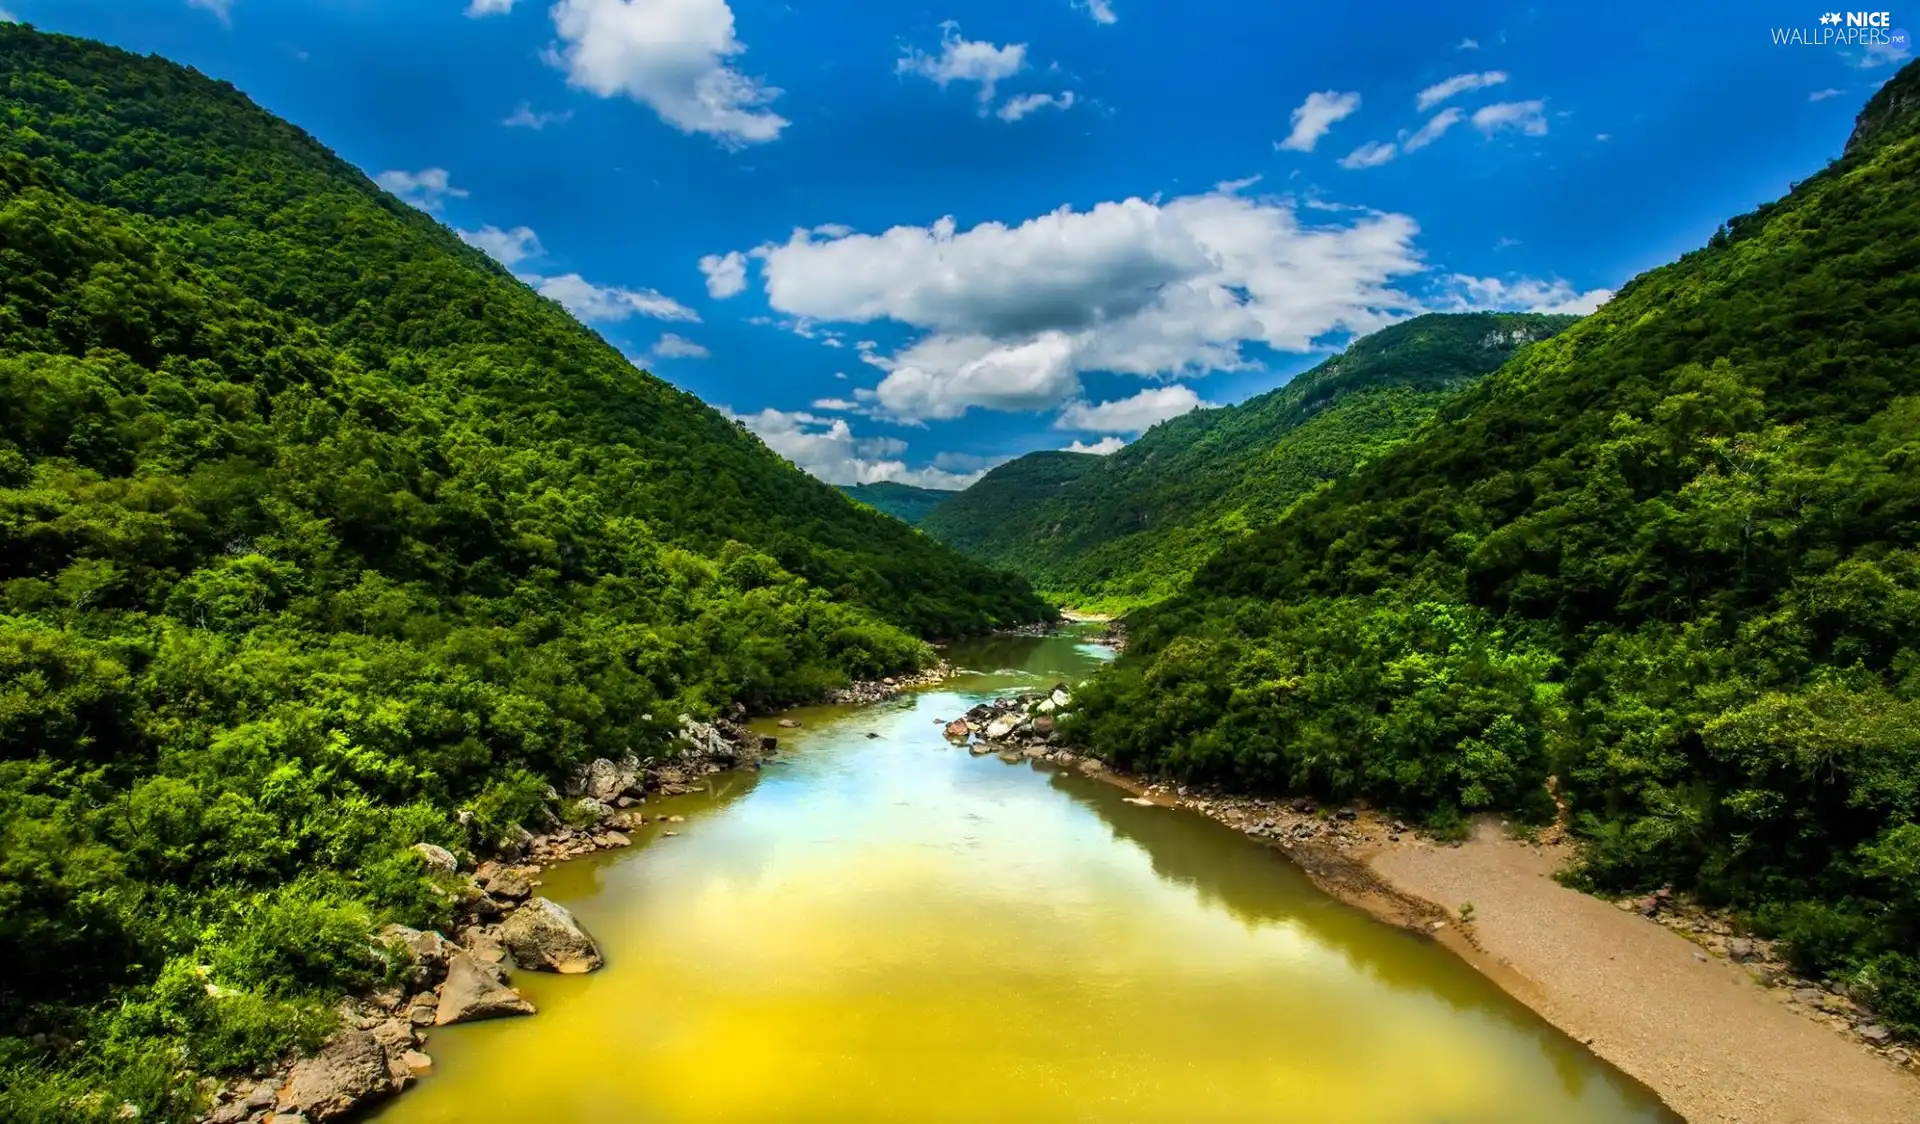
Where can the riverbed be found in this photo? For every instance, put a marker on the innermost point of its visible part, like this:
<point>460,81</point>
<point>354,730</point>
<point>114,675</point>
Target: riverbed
<point>883,927</point>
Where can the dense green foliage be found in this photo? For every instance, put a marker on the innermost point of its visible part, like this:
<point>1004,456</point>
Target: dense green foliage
<point>1116,532</point>
<point>321,535</point>
<point>904,502</point>
<point>1670,557</point>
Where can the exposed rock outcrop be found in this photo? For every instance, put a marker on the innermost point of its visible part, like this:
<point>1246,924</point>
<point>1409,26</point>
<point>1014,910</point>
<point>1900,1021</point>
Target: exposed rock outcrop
<point>475,990</point>
<point>543,936</point>
<point>349,1073</point>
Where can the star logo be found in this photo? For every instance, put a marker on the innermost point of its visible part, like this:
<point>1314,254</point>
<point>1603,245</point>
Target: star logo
<point>1830,18</point>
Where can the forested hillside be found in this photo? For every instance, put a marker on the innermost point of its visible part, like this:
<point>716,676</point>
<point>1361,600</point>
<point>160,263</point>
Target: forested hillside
<point>902,501</point>
<point>320,536</point>
<point>1116,532</point>
<point>1670,558</point>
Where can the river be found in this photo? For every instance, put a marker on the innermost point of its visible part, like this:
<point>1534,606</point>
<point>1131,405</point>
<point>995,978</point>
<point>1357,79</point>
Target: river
<point>881,927</point>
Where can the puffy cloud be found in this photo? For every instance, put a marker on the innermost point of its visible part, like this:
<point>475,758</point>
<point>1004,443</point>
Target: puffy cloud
<point>1526,116</point>
<point>1433,130</point>
<point>508,247</point>
<point>1018,107</point>
<point>670,55</point>
<point>1099,10</point>
<point>1458,84</point>
<point>828,449</point>
<point>1468,44</point>
<point>1131,415</point>
<point>1315,116</point>
<point>425,189</point>
<point>1099,448</point>
<point>479,8</point>
<point>1369,155</point>
<point>679,347</point>
<point>1013,314</point>
<point>1527,294</point>
<point>608,303</point>
<point>222,9</point>
<point>523,117</point>
<point>726,273</point>
<point>965,60</point>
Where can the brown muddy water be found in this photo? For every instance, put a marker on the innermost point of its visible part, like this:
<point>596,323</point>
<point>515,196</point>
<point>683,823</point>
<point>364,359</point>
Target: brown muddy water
<point>890,929</point>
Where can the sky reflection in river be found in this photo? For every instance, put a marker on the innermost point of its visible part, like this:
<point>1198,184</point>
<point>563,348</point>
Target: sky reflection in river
<point>890,929</point>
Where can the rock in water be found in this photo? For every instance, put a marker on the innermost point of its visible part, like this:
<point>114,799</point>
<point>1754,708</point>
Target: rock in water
<point>473,992</point>
<point>348,1073</point>
<point>544,937</point>
<point>1000,728</point>
<point>957,729</point>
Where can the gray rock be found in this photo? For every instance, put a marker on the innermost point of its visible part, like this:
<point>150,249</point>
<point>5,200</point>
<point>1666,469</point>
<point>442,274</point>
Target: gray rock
<point>416,1061</point>
<point>1876,1034</point>
<point>1740,950</point>
<point>438,859</point>
<point>1060,697</point>
<point>603,781</point>
<point>544,937</point>
<point>510,883</point>
<point>349,1072</point>
<point>473,991</point>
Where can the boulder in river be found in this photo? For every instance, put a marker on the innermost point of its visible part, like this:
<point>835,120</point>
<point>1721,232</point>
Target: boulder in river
<point>473,991</point>
<point>544,937</point>
<point>348,1073</point>
<point>1000,727</point>
<point>957,729</point>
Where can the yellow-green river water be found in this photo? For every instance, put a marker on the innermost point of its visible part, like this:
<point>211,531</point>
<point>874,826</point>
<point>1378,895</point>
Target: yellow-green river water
<point>889,929</point>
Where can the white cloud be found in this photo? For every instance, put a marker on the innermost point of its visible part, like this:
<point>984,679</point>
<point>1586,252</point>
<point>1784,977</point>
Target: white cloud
<point>1018,107</point>
<point>1468,45</point>
<point>1131,415</point>
<point>1603,137</point>
<point>523,117</point>
<point>1099,448</point>
<point>1012,315</point>
<point>670,55</point>
<point>965,60</point>
<point>1369,155</point>
<point>508,247</point>
<point>478,8</point>
<point>726,273</point>
<point>679,347</point>
<point>608,303</point>
<point>834,404</point>
<point>1525,116</point>
<point>827,449</point>
<point>1315,116</point>
<point>1458,84</point>
<point>222,9</point>
<point>1100,10</point>
<point>1433,130</point>
<point>425,189</point>
<point>1823,95</point>
<point>1527,294</point>
<point>1881,54</point>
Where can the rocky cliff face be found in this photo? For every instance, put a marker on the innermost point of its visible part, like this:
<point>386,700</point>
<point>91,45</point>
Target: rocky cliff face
<point>1889,114</point>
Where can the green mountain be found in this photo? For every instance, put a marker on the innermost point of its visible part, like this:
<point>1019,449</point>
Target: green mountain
<point>1112,533</point>
<point>904,502</point>
<point>1670,558</point>
<point>320,536</point>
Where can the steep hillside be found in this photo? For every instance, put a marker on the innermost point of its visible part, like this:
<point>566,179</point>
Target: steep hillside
<point>1129,529</point>
<point>320,536</point>
<point>1671,557</point>
<point>904,502</point>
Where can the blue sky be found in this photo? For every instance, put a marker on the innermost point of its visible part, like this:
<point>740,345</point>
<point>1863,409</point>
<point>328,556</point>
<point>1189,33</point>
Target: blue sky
<point>910,240</point>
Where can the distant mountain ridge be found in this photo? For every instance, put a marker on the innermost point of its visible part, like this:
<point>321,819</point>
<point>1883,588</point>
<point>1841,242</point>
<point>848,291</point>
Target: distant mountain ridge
<point>902,501</point>
<point>1128,529</point>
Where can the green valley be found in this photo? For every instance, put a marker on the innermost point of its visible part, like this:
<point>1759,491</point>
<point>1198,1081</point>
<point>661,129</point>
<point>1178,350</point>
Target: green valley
<point>904,502</point>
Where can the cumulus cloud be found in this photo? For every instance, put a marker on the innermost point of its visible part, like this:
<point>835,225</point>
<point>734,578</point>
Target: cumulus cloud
<point>1131,415</point>
<point>670,55</point>
<point>1012,315</point>
<point>1100,11</point>
<point>1016,108</point>
<point>425,189</point>
<point>965,60</point>
<point>508,247</point>
<point>1320,112</point>
<point>609,303</point>
<point>679,347</point>
<point>1458,84</point>
<point>523,117</point>
<point>222,9</point>
<point>1369,155</point>
<point>1433,130</point>
<point>1526,294</point>
<point>1099,448</point>
<point>828,449</point>
<point>480,8</point>
<point>1524,116</point>
<point>726,273</point>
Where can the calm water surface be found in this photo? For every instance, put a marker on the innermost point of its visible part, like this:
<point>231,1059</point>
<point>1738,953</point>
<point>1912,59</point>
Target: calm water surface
<point>889,929</point>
